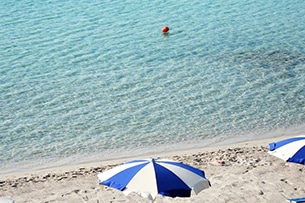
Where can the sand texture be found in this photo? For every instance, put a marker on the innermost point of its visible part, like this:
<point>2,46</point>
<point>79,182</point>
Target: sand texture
<point>242,172</point>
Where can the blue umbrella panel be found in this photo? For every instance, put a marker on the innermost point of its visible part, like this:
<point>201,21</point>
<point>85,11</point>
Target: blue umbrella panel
<point>290,150</point>
<point>150,177</point>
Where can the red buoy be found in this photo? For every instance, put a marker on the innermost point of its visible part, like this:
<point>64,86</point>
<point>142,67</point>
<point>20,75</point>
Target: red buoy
<point>165,29</point>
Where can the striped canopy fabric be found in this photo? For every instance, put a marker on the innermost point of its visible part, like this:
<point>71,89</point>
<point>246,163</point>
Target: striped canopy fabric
<point>290,150</point>
<point>150,177</point>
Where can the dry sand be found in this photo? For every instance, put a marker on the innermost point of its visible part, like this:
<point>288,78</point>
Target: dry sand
<point>248,174</point>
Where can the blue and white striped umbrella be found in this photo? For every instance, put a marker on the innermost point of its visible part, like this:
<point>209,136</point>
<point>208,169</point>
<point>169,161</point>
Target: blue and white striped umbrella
<point>150,177</point>
<point>291,149</point>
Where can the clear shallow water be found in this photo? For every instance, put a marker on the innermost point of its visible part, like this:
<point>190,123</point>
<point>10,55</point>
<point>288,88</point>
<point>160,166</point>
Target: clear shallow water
<point>91,80</point>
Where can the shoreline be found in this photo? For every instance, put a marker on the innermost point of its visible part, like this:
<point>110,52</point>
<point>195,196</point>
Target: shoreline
<point>246,173</point>
<point>75,160</point>
<point>208,143</point>
<point>177,150</point>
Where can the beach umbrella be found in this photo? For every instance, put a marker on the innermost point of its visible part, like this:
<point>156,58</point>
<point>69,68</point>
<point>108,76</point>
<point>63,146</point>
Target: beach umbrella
<point>290,150</point>
<point>150,177</point>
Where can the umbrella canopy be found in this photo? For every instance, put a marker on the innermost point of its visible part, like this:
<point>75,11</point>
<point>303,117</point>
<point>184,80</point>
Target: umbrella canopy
<point>291,149</point>
<point>150,177</point>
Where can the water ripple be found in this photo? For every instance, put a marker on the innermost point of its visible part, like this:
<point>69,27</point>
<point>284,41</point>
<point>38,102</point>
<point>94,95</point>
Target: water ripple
<point>90,77</point>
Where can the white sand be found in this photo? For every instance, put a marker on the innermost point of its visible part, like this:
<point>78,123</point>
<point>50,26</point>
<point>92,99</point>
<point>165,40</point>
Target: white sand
<point>249,174</point>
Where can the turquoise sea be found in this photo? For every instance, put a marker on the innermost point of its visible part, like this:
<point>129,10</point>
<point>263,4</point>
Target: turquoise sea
<point>91,80</point>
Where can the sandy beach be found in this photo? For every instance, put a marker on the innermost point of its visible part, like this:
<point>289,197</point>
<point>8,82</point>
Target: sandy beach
<point>242,172</point>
